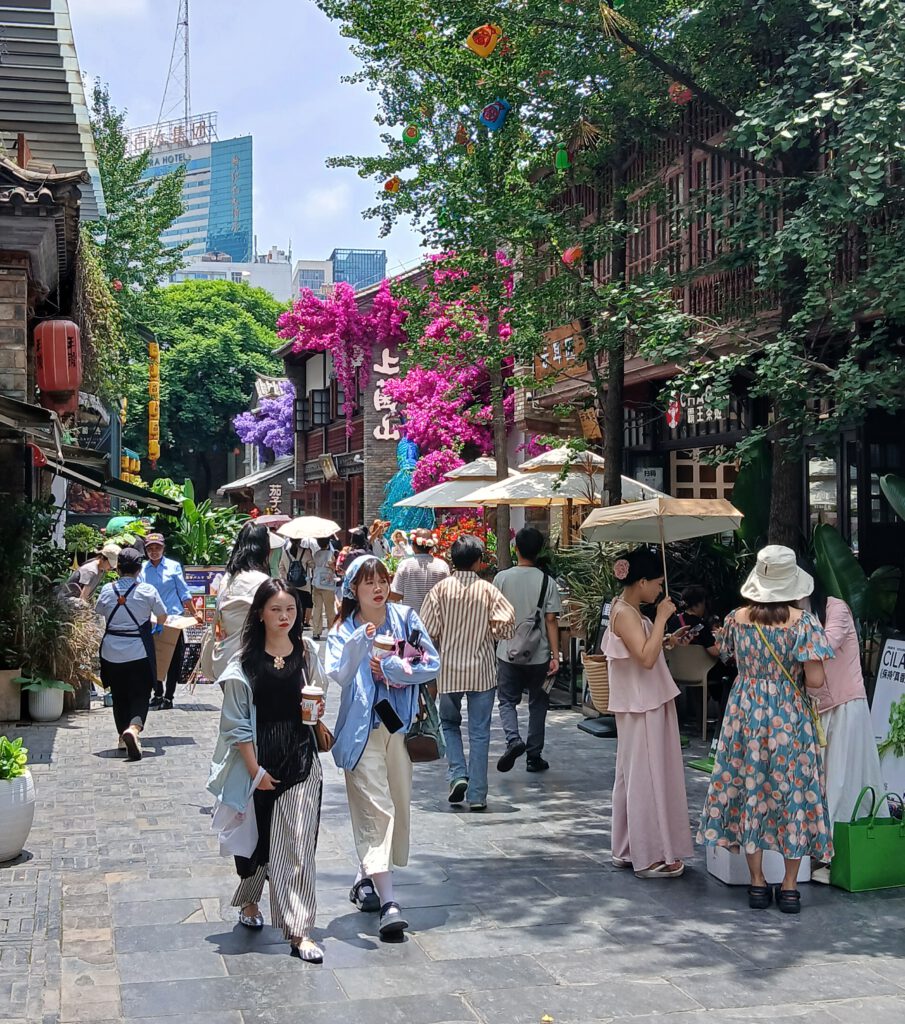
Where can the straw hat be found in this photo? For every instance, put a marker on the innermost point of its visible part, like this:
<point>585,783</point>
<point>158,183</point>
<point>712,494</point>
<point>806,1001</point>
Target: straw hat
<point>777,579</point>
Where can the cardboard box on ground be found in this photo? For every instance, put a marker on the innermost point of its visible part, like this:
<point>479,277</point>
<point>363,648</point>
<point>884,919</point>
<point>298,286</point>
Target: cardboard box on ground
<point>165,642</point>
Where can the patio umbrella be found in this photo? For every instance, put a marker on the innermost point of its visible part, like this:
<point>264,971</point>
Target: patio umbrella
<point>662,520</point>
<point>272,521</point>
<point>459,484</point>
<point>308,528</point>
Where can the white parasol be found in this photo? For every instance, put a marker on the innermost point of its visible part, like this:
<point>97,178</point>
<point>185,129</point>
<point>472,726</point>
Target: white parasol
<point>459,484</point>
<point>309,528</point>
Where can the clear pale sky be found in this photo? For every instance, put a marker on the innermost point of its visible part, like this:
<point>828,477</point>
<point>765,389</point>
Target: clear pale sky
<point>270,69</point>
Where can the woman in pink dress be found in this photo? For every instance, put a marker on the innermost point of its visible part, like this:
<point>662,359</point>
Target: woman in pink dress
<point>650,830</point>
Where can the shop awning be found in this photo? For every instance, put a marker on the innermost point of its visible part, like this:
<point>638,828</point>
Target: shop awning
<point>80,472</point>
<point>42,424</point>
<point>282,465</point>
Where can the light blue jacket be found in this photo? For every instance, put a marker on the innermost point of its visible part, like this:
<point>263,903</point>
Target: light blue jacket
<point>347,664</point>
<point>229,780</point>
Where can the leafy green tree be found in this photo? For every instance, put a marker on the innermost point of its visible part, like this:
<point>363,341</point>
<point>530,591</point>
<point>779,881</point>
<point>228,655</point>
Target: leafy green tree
<point>215,336</point>
<point>138,210</point>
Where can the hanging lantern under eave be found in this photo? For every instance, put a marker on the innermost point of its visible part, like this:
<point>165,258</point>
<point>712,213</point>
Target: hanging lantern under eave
<point>393,185</point>
<point>493,116</point>
<point>412,135</point>
<point>153,450</point>
<point>58,358</point>
<point>153,410</point>
<point>153,372</point>
<point>154,389</point>
<point>483,40</point>
<point>572,255</point>
<point>124,463</point>
<point>153,431</point>
<point>153,350</point>
<point>680,94</point>
<point>563,160</point>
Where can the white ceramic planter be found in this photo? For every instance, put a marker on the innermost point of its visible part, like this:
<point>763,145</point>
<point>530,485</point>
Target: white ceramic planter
<point>17,811</point>
<point>46,704</point>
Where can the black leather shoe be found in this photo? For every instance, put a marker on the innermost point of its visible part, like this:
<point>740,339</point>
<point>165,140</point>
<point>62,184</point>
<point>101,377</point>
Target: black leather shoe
<point>788,900</point>
<point>759,897</point>
<point>155,702</point>
<point>513,752</point>
<point>537,764</point>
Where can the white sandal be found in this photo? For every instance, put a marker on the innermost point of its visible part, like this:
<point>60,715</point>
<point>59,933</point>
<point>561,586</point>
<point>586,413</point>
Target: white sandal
<point>621,863</point>
<point>661,871</point>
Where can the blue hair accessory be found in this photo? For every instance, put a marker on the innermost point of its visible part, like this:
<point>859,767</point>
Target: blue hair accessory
<point>351,572</point>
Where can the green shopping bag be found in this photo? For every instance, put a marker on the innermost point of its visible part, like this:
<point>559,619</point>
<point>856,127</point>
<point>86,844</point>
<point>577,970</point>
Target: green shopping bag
<point>870,852</point>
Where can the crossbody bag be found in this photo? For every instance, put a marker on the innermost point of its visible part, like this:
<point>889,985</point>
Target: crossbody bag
<point>819,731</point>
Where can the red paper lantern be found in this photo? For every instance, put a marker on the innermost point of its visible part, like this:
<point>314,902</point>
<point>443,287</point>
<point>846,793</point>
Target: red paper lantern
<point>58,358</point>
<point>117,285</point>
<point>572,255</point>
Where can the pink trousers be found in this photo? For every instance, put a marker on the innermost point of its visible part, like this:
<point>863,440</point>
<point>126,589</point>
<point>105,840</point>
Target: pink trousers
<point>650,808</point>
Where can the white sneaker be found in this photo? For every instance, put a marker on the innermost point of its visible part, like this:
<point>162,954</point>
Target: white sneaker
<point>132,743</point>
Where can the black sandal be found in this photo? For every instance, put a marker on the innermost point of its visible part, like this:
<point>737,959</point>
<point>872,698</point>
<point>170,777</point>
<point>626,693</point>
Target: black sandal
<point>364,896</point>
<point>788,900</point>
<point>759,897</point>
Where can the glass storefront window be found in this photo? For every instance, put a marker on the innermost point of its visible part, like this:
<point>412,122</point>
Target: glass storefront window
<point>823,493</point>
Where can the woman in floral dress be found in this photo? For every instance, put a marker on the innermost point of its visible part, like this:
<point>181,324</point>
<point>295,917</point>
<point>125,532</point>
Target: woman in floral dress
<point>766,791</point>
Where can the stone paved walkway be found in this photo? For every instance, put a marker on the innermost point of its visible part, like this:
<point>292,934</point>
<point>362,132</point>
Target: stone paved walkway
<point>119,910</point>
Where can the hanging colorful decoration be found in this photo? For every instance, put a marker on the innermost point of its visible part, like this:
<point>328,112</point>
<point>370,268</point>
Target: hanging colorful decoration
<point>411,135</point>
<point>483,40</point>
<point>469,149</point>
<point>393,185</point>
<point>425,112</point>
<point>461,135</point>
<point>505,46</point>
<point>153,403</point>
<point>493,116</point>
<point>572,255</point>
<point>117,284</point>
<point>680,94</point>
<point>563,160</point>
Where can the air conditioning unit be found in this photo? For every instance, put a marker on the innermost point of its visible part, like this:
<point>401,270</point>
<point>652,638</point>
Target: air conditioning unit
<point>328,466</point>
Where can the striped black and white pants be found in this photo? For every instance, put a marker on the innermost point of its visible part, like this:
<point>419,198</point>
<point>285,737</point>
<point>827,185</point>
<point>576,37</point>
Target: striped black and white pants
<point>291,869</point>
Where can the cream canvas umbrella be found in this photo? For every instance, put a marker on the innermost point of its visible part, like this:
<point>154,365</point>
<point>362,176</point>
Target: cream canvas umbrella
<point>539,484</point>
<point>458,484</point>
<point>661,521</point>
<point>309,528</point>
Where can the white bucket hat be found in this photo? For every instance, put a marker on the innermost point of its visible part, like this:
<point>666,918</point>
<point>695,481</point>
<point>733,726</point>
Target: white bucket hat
<point>777,578</point>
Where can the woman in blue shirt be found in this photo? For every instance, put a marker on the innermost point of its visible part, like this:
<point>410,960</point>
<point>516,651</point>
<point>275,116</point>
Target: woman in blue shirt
<point>128,667</point>
<point>378,704</point>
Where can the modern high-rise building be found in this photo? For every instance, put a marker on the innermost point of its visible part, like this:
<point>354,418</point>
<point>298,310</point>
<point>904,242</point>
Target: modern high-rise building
<point>217,191</point>
<point>271,271</point>
<point>359,267</point>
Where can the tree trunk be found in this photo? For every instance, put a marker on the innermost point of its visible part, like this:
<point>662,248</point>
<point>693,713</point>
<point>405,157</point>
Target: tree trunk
<point>787,492</point>
<point>504,560</point>
<point>613,431</point>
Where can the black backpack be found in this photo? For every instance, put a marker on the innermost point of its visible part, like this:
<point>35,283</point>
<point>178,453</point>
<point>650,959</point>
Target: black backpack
<point>295,574</point>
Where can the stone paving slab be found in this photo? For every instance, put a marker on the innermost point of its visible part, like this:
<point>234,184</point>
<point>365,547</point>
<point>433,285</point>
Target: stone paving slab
<point>119,911</point>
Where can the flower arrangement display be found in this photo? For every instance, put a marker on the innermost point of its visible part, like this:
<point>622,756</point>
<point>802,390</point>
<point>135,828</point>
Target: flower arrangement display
<point>271,425</point>
<point>453,525</point>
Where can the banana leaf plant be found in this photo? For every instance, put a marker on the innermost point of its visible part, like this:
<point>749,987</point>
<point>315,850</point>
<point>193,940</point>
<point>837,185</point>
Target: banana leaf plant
<point>202,534</point>
<point>872,599</point>
<point>893,488</point>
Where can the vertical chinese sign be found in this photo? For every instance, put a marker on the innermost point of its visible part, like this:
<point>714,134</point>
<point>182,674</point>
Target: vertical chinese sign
<point>381,430</point>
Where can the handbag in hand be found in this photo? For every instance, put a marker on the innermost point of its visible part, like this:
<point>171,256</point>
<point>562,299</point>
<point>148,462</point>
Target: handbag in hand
<point>424,740</point>
<point>323,737</point>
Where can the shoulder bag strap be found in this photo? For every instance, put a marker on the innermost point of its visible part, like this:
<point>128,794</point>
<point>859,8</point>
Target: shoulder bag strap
<point>808,703</point>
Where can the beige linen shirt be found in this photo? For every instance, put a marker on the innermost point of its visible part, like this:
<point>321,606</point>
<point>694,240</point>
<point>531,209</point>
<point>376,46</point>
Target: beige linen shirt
<point>465,616</point>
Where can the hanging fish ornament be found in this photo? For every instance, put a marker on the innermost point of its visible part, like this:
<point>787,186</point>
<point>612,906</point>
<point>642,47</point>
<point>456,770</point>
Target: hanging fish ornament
<point>483,40</point>
<point>461,135</point>
<point>493,116</point>
<point>411,135</point>
<point>563,160</point>
<point>393,185</point>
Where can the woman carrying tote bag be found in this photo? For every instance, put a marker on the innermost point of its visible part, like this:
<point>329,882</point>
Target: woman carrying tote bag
<point>265,749</point>
<point>378,704</point>
<point>246,570</point>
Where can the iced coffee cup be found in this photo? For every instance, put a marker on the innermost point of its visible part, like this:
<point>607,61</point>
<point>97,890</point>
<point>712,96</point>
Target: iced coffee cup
<point>384,646</point>
<point>311,698</point>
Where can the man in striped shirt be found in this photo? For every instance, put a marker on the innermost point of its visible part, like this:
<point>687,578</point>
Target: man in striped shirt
<point>465,617</point>
<point>418,574</point>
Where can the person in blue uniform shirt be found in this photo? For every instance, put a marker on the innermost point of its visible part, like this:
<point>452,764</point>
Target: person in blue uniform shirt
<point>166,576</point>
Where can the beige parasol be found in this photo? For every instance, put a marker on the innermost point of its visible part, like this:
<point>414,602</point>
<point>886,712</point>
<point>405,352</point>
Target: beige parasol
<point>309,528</point>
<point>662,520</point>
<point>458,484</point>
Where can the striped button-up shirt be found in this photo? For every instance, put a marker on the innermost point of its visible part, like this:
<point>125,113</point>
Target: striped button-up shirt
<point>465,616</point>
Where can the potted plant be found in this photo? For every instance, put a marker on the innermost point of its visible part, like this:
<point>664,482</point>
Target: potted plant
<point>17,798</point>
<point>45,696</point>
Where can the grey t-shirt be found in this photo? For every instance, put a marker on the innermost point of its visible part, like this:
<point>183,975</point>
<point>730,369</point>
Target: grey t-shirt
<point>87,575</point>
<point>521,587</point>
<point>143,602</point>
